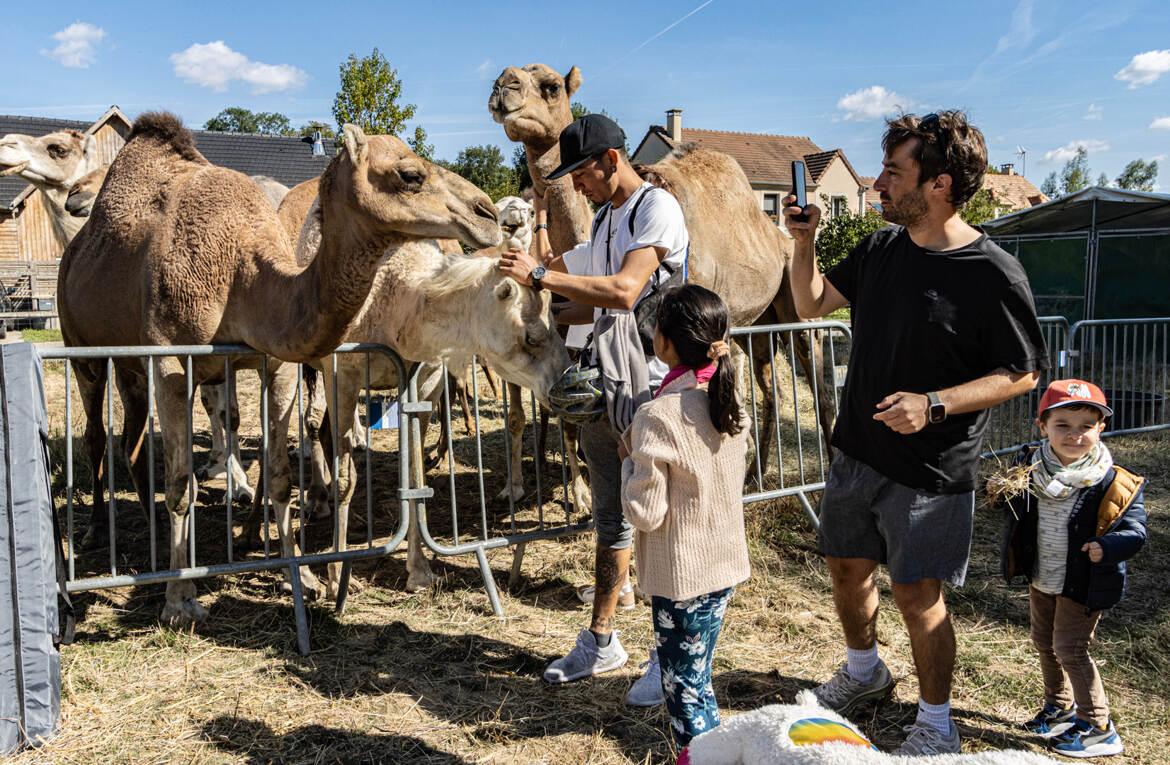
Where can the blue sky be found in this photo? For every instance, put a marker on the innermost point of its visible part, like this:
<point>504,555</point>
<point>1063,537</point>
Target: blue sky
<point>1040,74</point>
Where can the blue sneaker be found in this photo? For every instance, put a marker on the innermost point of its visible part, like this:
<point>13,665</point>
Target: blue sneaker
<point>1051,721</point>
<point>1085,740</point>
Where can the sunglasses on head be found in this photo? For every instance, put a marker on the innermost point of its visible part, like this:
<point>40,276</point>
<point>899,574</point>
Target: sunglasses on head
<point>929,122</point>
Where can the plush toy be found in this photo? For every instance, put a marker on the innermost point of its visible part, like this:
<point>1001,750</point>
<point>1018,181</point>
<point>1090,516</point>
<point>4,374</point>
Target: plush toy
<point>805,733</point>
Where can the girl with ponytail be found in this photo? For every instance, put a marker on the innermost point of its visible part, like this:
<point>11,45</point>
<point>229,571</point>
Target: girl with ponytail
<point>682,490</point>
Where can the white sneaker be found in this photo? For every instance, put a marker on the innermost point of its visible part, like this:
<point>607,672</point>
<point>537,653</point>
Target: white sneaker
<point>647,689</point>
<point>586,658</point>
<point>625,595</point>
<point>924,740</point>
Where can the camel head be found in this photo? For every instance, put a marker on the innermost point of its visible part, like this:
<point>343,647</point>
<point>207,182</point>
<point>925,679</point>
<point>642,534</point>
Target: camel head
<point>378,184</point>
<point>516,219</point>
<point>532,103</point>
<point>82,194</point>
<point>55,160</point>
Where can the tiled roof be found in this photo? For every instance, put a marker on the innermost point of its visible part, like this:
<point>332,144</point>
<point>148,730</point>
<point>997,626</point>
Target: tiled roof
<point>872,197</point>
<point>1013,190</point>
<point>764,158</point>
<point>288,159</point>
<point>11,186</point>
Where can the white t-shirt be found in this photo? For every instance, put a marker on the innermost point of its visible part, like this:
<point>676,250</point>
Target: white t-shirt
<point>659,223</point>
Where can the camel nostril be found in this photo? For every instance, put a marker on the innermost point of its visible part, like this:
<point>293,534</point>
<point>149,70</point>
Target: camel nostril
<point>486,210</point>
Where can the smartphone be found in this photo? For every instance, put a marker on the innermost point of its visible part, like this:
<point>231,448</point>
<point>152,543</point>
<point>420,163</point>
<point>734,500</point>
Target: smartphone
<point>799,190</point>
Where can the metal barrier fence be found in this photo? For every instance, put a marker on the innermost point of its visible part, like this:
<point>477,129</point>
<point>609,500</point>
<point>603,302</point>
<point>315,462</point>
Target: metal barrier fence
<point>1128,358</point>
<point>128,573</point>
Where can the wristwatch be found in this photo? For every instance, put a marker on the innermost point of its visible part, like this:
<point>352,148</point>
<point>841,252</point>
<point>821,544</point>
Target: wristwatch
<point>540,226</point>
<point>536,275</point>
<point>936,409</point>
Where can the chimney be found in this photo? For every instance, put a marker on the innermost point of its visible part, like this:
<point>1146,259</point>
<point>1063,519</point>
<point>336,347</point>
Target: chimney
<point>674,124</point>
<point>1008,169</point>
<point>318,144</point>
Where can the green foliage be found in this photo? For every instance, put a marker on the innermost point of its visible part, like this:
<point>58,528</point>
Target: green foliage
<point>841,233</point>
<point>1139,175</point>
<point>520,167</point>
<point>981,208</point>
<point>1049,186</point>
<point>236,119</point>
<point>309,128</point>
<point>369,95</point>
<point>579,110</point>
<point>1075,175</point>
<point>1102,180</point>
<point>484,166</point>
<point>418,144</point>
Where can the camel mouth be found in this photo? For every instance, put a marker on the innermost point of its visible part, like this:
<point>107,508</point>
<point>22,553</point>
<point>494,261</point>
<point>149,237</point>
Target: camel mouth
<point>14,169</point>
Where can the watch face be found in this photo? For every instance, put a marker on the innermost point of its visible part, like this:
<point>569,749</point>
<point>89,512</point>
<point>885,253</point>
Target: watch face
<point>938,413</point>
<point>538,272</point>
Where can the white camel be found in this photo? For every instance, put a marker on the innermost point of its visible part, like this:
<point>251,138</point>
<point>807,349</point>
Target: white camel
<point>52,163</point>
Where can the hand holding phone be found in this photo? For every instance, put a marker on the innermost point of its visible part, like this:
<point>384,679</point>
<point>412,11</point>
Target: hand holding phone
<point>798,190</point>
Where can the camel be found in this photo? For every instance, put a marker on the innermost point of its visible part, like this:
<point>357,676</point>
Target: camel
<point>419,306</point>
<point>179,252</point>
<point>52,163</point>
<point>736,251</point>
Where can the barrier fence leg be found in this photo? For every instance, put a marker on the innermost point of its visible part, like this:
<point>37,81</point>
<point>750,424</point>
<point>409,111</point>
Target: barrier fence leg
<point>489,582</point>
<point>343,586</point>
<point>517,562</point>
<point>298,596</point>
<point>808,508</point>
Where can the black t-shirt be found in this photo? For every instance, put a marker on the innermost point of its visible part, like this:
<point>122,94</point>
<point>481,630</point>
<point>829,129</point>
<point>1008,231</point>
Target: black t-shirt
<point>923,321</point>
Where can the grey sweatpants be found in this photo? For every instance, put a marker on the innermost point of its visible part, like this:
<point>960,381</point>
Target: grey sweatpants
<point>600,444</point>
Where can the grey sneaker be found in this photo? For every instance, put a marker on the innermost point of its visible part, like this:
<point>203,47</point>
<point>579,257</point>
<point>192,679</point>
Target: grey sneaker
<point>924,740</point>
<point>586,659</point>
<point>842,693</point>
<point>647,689</point>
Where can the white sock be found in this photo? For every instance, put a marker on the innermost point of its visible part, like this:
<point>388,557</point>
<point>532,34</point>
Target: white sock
<point>937,716</point>
<point>862,663</point>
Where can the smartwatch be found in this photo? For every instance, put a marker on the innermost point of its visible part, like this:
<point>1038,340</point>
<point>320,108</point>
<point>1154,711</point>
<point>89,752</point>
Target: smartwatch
<point>936,409</point>
<point>536,275</point>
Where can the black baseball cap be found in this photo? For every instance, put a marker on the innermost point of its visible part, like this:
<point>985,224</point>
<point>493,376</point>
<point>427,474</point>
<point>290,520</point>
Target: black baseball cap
<point>584,139</point>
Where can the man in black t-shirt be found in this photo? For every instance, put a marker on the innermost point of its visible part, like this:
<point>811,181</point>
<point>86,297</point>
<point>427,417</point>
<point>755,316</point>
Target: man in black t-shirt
<point>943,328</point>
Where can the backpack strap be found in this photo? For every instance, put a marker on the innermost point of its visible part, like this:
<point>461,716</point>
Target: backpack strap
<point>598,218</point>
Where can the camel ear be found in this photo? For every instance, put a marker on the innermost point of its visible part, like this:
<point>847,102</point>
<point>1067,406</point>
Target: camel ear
<point>505,289</point>
<point>356,143</point>
<point>572,81</point>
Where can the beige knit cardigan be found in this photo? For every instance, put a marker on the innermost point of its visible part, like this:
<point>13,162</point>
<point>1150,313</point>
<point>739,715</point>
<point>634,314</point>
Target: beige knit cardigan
<point>682,489</point>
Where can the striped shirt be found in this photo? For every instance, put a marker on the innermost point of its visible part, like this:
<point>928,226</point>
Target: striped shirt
<point>1052,517</point>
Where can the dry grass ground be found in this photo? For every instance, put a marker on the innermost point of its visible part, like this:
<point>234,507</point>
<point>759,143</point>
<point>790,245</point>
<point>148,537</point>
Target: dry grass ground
<point>432,677</point>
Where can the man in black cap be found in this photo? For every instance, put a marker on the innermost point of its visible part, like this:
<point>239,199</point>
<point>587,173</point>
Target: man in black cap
<point>639,235</point>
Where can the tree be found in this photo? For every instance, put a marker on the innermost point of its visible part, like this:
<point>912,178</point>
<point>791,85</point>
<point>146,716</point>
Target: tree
<point>418,144</point>
<point>1139,175</point>
<point>1075,175</point>
<point>1049,186</point>
<point>484,166</point>
<point>236,119</point>
<point>1102,180</point>
<point>520,167</point>
<point>369,94</point>
<point>841,233</point>
<point>981,208</point>
<point>309,128</point>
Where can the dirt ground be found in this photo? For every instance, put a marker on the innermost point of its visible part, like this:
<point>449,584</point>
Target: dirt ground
<point>433,677</point>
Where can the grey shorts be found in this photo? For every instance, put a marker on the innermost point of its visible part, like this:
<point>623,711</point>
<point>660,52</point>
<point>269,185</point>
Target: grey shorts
<point>917,534</point>
<point>600,445</point>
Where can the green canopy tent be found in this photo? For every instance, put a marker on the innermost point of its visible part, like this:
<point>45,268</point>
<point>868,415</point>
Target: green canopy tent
<point>1099,253</point>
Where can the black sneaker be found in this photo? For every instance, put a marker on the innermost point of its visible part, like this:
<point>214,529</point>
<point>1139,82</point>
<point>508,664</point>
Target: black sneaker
<point>1051,721</point>
<point>1085,740</point>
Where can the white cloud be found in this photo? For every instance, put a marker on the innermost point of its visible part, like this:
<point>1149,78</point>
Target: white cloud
<point>1145,68</point>
<point>1019,29</point>
<point>214,65</point>
<point>76,45</point>
<point>1094,112</point>
<point>871,103</point>
<point>485,69</point>
<point>1161,123</point>
<point>1069,150</point>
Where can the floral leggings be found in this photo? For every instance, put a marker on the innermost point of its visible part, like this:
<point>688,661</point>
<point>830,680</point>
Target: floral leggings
<point>686,631</point>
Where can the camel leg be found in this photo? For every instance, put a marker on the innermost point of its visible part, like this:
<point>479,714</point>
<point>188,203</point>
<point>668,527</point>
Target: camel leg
<point>763,347</point>
<point>171,402</point>
<point>785,310</point>
<point>516,422</point>
<point>460,385</point>
<point>214,400</point>
<point>342,419</point>
<point>282,393</point>
<point>491,379</point>
<point>581,496</point>
<point>317,420</point>
<point>135,409</point>
<point>91,384</point>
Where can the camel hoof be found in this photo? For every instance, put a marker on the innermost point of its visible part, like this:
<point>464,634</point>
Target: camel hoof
<point>420,580</point>
<point>514,493</point>
<point>185,612</point>
<point>95,539</point>
<point>243,494</point>
<point>319,510</point>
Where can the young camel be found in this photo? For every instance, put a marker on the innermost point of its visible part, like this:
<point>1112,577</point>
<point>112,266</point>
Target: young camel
<point>179,252</point>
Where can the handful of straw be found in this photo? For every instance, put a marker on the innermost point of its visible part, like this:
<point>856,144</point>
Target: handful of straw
<point>1008,482</point>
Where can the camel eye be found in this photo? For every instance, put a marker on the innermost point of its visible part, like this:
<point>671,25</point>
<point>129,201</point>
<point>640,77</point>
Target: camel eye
<point>412,175</point>
<point>56,151</point>
<point>534,340</point>
<point>551,88</point>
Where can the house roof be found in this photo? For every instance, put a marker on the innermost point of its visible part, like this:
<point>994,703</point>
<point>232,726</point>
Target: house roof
<point>764,158</point>
<point>1015,191</point>
<point>819,162</point>
<point>288,159</point>
<point>872,196</point>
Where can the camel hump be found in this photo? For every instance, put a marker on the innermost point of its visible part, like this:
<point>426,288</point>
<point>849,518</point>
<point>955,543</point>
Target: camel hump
<point>166,128</point>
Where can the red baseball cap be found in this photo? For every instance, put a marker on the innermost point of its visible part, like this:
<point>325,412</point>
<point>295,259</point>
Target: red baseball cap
<point>1069,392</point>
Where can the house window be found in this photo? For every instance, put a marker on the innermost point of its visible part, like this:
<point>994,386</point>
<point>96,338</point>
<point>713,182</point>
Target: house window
<point>772,207</point>
<point>838,206</point>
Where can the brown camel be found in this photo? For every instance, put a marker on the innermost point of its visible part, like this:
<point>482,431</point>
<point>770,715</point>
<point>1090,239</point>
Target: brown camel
<point>179,252</point>
<point>736,251</point>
